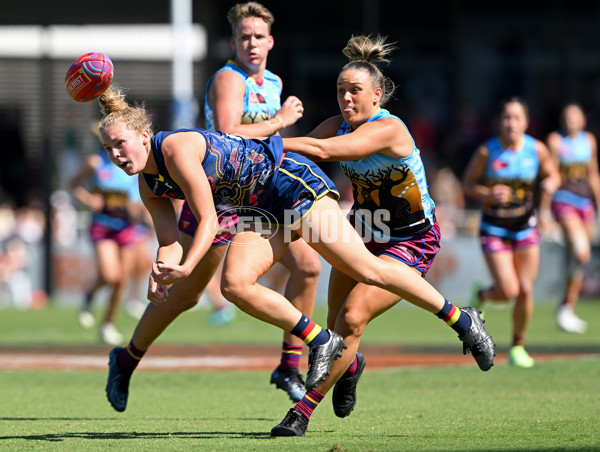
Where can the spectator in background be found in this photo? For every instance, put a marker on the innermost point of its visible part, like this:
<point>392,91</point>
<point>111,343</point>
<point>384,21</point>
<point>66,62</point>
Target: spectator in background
<point>21,229</point>
<point>107,194</point>
<point>501,175</point>
<point>575,150</point>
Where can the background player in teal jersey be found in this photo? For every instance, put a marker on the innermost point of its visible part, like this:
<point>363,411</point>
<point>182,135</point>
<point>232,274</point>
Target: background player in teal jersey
<point>109,194</point>
<point>243,98</point>
<point>502,174</point>
<point>379,156</point>
<point>575,150</point>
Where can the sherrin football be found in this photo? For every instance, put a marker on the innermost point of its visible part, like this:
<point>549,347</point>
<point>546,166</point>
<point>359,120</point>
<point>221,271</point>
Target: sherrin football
<point>89,76</point>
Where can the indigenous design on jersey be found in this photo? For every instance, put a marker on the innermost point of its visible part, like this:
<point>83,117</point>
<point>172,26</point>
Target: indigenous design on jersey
<point>117,188</point>
<point>574,159</point>
<point>518,169</point>
<point>250,173</point>
<point>261,101</point>
<point>396,185</point>
<point>237,169</point>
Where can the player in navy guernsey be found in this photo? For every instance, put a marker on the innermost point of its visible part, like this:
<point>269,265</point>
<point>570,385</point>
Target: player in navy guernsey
<point>576,152</point>
<point>209,168</point>
<point>502,175</point>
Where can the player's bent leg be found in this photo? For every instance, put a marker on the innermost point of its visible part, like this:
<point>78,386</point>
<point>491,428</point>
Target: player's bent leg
<point>155,319</point>
<point>304,266</point>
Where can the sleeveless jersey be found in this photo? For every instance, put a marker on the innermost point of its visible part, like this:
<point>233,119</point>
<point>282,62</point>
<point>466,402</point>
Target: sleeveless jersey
<point>517,169</point>
<point>574,159</point>
<point>238,169</point>
<point>394,185</point>
<point>261,102</point>
<point>117,188</point>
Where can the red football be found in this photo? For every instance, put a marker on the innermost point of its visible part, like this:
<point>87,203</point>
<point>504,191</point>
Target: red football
<point>89,76</point>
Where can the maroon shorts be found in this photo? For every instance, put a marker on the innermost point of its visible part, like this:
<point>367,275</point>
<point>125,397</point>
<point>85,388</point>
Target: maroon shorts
<point>418,252</point>
<point>188,224</point>
<point>563,210</point>
<point>123,237</point>
<point>493,243</point>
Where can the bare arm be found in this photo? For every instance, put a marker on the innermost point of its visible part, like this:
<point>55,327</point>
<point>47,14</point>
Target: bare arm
<point>226,96</point>
<point>183,157</point>
<point>93,201</point>
<point>548,172</point>
<point>170,251</point>
<point>474,175</point>
<point>594,176</point>
<point>386,136</point>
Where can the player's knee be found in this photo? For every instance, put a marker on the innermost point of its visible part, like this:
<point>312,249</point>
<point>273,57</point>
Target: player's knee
<point>355,322</point>
<point>234,289</point>
<point>510,291</point>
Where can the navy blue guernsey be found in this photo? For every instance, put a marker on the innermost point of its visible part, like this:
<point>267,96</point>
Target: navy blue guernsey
<point>239,170</point>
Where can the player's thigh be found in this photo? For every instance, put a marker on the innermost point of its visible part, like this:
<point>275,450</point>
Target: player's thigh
<point>196,282</point>
<point>109,259</point>
<point>300,258</point>
<point>249,256</point>
<point>578,235</point>
<point>526,263</point>
<point>328,231</point>
<point>502,268</point>
<point>364,303</point>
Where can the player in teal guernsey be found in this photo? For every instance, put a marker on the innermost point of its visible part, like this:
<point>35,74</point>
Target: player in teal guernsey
<point>261,100</point>
<point>109,194</point>
<point>244,98</point>
<point>576,152</point>
<point>502,174</point>
<point>393,210</point>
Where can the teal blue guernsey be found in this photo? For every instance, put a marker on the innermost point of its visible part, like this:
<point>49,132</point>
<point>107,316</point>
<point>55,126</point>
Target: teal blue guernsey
<point>518,169</point>
<point>261,100</point>
<point>574,160</point>
<point>396,185</point>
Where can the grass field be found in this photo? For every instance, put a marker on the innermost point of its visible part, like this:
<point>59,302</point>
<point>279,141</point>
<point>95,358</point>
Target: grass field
<point>554,406</point>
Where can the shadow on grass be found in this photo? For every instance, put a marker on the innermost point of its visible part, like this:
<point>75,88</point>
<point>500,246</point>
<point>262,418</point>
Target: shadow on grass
<point>58,437</point>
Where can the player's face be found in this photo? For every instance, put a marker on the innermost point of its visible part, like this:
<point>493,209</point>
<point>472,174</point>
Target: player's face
<point>357,98</point>
<point>251,42</point>
<point>513,122</point>
<point>126,147</point>
<point>574,119</point>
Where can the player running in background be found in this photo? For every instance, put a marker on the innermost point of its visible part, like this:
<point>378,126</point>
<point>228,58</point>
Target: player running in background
<point>393,208</point>
<point>576,152</point>
<point>244,98</point>
<point>502,174</point>
<point>107,192</point>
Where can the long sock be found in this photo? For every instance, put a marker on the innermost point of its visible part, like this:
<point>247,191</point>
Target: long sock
<point>309,402</point>
<point>352,369</point>
<point>290,356</point>
<point>311,333</point>
<point>130,357</point>
<point>455,318</point>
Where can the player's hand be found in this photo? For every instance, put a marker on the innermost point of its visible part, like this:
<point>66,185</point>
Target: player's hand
<point>168,274</point>
<point>291,111</point>
<point>157,293</point>
<point>500,194</point>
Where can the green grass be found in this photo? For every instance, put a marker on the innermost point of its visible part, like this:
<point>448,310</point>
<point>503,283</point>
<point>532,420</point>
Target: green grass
<point>554,406</point>
<point>403,324</point>
<point>551,407</point>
